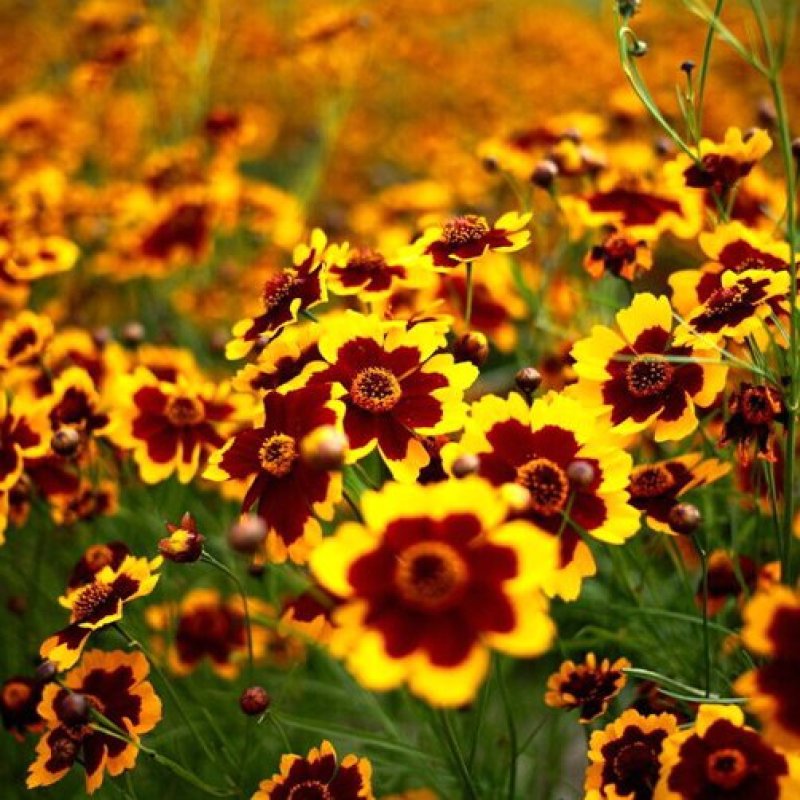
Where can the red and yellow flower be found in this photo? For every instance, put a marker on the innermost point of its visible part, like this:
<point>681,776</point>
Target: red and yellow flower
<point>535,449</point>
<point>638,375</point>
<point>24,339</point>
<point>432,581</point>
<point>116,685</point>
<point>287,492</point>
<point>367,273</point>
<point>619,254</point>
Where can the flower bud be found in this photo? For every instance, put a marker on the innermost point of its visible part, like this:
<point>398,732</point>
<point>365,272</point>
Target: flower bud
<point>184,543</point>
<point>254,701</point>
<point>490,164</point>
<point>528,380</point>
<point>468,464</point>
<point>102,336</point>
<point>46,671</point>
<point>73,709</point>
<point>685,518</point>
<point>796,148</point>
<point>581,473</point>
<point>473,347</point>
<point>246,535</point>
<point>324,448</point>
<point>66,441</point>
<point>544,173</point>
<point>133,334</point>
<point>687,67</point>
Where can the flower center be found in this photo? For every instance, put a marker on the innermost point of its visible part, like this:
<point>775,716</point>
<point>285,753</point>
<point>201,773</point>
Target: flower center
<point>277,289</point>
<point>547,483</point>
<point>620,247</point>
<point>309,790</point>
<point>759,405</point>
<point>278,454</point>
<point>366,260</point>
<point>184,411</point>
<point>15,695</point>
<point>750,262</point>
<point>652,480</point>
<point>464,230</point>
<point>430,575</point>
<point>375,389</point>
<point>727,768</point>
<point>634,760</point>
<point>648,376</point>
<point>722,301</point>
<point>90,599</point>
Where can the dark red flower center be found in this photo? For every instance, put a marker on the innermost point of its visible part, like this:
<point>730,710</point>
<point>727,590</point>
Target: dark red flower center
<point>759,405</point>
<point>751,262</point>
<point>727,768</point>
<point>430,575</point>
<point>15,695</point>
<point>309,790</point>
<point>634,759</point>
<point>652,480</point>
<point>725,300</point>
<point>182,411</point>
<point>25,339</point>
<point>366,260</point>
<point>375,389</point>
<point>277,289</point>
<point>277,455</point>
<point>464,230</point>
<point>90,598</point>
<point>620,247</point>
<point>547,483</point>
<point>648,376</point>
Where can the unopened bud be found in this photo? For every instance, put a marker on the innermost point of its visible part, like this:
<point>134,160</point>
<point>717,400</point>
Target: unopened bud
<point>685,518</point>
<point>184,543</point>
<point>473,347</point>
<point>246,535</point>
<point>544,173</point>
<point>468,464</point>
<point>46,671</point>
<point>581,473</point>
<point>796,148</point>
<point>73,709</point>
<point>66,441</point>
<point>17,604</point>
<point>102,336</point>
<point>687,67</point>
<point>490,164</point>
<point>528,380</point>
<point>133,334</point>
<point>324,448</point>
<point>254,701</point>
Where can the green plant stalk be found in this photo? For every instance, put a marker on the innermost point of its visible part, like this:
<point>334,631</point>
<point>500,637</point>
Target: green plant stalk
<point>449,737</point>
<point>704,64</point>
<point>703,556</point>
<point>470,289</point>
<point>513,741</point>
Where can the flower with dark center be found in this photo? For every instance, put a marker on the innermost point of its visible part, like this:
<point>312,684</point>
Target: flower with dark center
<point>375,389</point>
<point>547,483</point>
<point>366,272</point>
<point>589,687</point>
<point>619,254</point>
<point>753,413</point>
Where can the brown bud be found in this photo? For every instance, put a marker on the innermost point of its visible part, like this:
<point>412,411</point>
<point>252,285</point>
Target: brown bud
<point>246,535</point>
<point>102,336</point>
<point>324,448</point>
<point>468,464</point>
<point>796,148</point>
<point>46,671</point>
<point>766,113</point>
<point>581,473</point>
<point>544,173</point>
<point>17,604</point>
<point>473,347</point>
<point>73,709</point>
<point>254,700</point>
<point>528,380</point>
<point>21,491</point>
<point>66,441</point>
<point>256,569</point>
<point>219,338</point>
<point>663,146</point>
<point>490,164</point>
<point>133,334</point>
<point>685,518</point>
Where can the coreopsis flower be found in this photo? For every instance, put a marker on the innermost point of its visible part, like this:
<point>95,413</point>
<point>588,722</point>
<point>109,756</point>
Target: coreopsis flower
<point>720,757</point>
<point>23,436</point>
<point>88,501</point>
<point>729,575</point>
<point>367,273</point>
<point>721,166</point>
<point>319,774</point>
<point>171,427</point>
<point>735,310</point>
<point>432,581</point>
<point>656,488</point>
<point>30,258</point>
<point>772,630</point>
<point>753,412</point>
<point>537,449</point>
<point>23,339</point>
<point>75,403</point>
<point>624,756</point>
<point>206,626</point>
<point>95,558</point>
<point>619,254</point>
<point>19,699</point>
<point>310,614</point>
<point>184,543</point>
<point>397,387</point>
<point>115,684</point>
<point>97,604</point>
<point>640,376</point>
<point>287,492</point>
<point>295,289</point>
<point>590,686</point>
<point>731,247</point>
<point>469,237</point>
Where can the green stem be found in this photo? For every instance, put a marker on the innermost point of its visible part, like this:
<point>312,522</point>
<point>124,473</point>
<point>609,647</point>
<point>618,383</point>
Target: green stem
<point>470,288</point>
<point>701,83</point>
<point>513,742</point>
<point>470,790</point>
<point>703,556</point>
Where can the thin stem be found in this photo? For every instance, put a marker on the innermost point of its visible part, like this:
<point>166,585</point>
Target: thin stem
<point>704,64</point>
<point>512,730</point>
<point>703,556</point>
<point>453,746</point>
<point>470,288</point>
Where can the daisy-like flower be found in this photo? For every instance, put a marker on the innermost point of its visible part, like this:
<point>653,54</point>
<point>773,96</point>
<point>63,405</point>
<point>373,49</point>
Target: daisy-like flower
<point>309,614</point>
<point>23,436</point>
<point>206,626</point>
<point>170,427</point>
<point>319,775</point>
<point>722,758</point>
<point>287,492</point>
<point>590,686</point>
<point>721,166</point>
<point>116,685</point>
<point>75,403</point>
<point>32,257</point>
<point>397,387</point>
<point>469,237</point>
<point>619,254</point>
<point>772,629</point>
<point>367,273</point>
<point>656,488</point>
<point>731,575</point>
<point>432,581</point>
<point>23,339</point>
<point>735,310</point>
<point>753,412</point>
<point>624,756</point>
<point>537,449</point>
<point>295,289</point>
<point>640,376</point>
<point>19,699</point>
<point>87,501</point>
<point>95,558</point>
<point>732,247</point>
<point>97,604</point>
